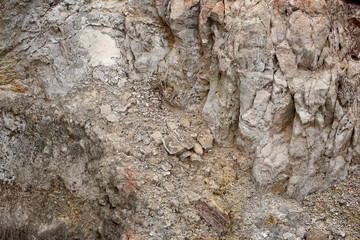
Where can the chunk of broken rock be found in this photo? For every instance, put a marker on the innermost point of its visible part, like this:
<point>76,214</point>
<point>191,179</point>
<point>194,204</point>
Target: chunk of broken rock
<point>172,126</point>
<point>172,145</point>
<point>206,139</point>
<point>177,142</point>
<point>198,149</point>
<point>105,110</point>
<point>157,136</point>
<point>111,118</point>
<point>213,215</point>
<point>184,121</point>
<point>184,155</point>
<point>196,158</point>
<point>184,140</point>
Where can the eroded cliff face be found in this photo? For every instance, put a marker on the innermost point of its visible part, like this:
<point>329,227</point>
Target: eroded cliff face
<point>286,86</point>
<point>278,80</point>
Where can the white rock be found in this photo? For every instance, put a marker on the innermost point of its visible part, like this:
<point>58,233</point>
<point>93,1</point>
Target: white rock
<point>157,137</point>
<point>105,110</point>
<point>198,149</point>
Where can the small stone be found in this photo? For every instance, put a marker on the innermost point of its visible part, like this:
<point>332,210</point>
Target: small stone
<point>172,145</point>
<point>198,149</point>
<point>315,234</point>
<point>168,186</point>
<point>154,178</point>
<point>166,166</point>
<point>121,82</point>
<point>172,126</point>
<point>184,155</point>
<point>177,142</point>
<point>175,203</point>
<point>122,108</point>
<point>217,13</point>
<point>186,141</point>
<point>184,121</point>
<point>111,118</point>
<point>64,148</point>
<point>195,158</point>
<point>206,139</point>
<point>194,135</point>
<point>102,202</point>
<point>105,110</point>
<point>338,232</point>
<point>157,137</point>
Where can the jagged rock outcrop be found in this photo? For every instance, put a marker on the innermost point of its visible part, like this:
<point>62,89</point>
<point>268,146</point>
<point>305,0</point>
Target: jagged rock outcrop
<point>281,71</point>
<point>277,79</point>
<point>283,76</point>
<point>278,72</point>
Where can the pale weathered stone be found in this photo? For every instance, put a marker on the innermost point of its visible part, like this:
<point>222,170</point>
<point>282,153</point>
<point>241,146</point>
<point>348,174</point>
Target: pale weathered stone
<point>105,110</point>
<point>172,125</point>
<point>185,140</point>
<point>93,40</point>
<point>172,145</point>
<point>157,137</point>
<point>112,118</point>
<point>196,158</point>
<point>198,149</point>
<point>206,139</point>
<point>177,142</point>
<point>184,155</point>
<point>185,122</point>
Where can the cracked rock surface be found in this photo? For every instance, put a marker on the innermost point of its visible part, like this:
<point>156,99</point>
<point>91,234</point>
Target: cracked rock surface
<point>179,119</point>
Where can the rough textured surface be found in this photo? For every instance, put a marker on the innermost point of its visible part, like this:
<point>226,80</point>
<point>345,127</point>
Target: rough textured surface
<point>114,115</point>
<point>278,86</point>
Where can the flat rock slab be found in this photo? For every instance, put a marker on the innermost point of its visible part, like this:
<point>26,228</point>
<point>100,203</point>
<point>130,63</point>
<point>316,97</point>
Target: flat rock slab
<point>177,142</point>
<point>172,145</point>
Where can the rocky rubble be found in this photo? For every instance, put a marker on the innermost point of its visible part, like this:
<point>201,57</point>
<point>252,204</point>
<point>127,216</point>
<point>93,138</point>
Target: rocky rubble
<point>174,119</point>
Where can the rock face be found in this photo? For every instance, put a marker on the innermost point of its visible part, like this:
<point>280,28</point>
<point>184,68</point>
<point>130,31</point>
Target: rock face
<point>280,71</point>
<point>277,79</point>
<point>283,77</point>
